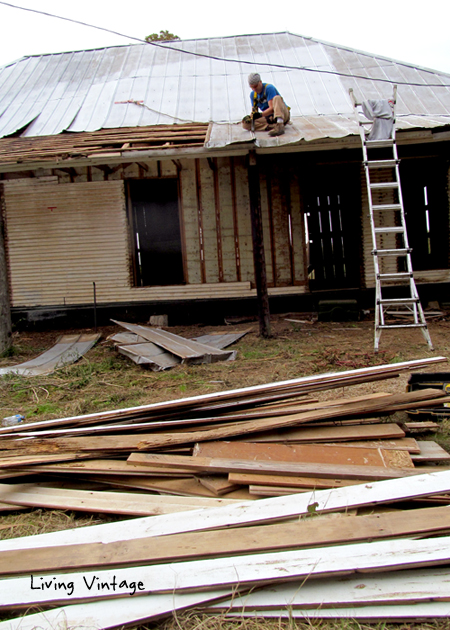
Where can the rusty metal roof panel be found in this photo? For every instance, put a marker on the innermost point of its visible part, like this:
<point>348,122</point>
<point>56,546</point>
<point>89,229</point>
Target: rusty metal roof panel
<point>141,85</point>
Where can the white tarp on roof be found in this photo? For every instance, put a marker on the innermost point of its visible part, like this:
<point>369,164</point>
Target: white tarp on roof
<point>307,128</point>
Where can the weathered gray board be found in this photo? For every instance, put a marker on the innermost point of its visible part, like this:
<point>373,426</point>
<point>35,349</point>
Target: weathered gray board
<point>68,349</point>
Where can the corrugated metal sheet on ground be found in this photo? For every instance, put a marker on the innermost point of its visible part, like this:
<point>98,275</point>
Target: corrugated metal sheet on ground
<point>67,350</point>
<point>140,85</point>
<point>151,355</point>
<point>186,349</point>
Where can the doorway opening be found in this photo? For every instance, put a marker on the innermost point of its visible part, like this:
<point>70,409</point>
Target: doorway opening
<point>156,234</point>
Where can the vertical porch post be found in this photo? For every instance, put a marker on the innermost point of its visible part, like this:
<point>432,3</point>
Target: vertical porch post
<point>258,246</point>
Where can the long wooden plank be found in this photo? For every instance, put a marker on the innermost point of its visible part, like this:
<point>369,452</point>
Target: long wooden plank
<point>29,460</point>
<point>99,466</point>
<point>387,430</point>
<point>209,464</point>
<point>112,613</point>
<point>290,481</point>
<point>366,494</point>
<point>389,612</point>
<point>306,533</point>
<point>402,444</point>
<point>241,571</point>
<point>104,502</point>
<point>321,381</point>
<point>312,453</point>
<point>384,588</point>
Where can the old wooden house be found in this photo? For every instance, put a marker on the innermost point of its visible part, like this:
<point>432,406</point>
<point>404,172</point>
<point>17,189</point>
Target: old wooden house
<point>124,175</point>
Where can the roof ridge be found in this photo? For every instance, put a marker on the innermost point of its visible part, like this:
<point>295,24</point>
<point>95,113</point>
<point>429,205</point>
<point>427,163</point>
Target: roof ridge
<point>175,43</point>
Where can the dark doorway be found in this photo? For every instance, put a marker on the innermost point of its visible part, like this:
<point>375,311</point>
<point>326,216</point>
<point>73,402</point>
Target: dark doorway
<point>426,212</point>
<point>155,222</point>
<point>333,227</point>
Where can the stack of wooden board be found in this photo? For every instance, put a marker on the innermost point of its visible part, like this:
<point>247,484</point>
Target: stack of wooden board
<point>210,450</point>
<point>361,551</point>
<point>350,498</point>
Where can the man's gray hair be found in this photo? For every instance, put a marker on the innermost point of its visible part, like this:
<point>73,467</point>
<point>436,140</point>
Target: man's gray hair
<point>254,78</point>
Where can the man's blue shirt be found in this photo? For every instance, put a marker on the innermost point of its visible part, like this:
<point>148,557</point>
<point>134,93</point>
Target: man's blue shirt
<point>267,94</point>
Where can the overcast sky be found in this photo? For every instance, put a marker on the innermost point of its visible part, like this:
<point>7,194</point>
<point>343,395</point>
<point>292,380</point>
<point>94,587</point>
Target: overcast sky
<point>415,31</point>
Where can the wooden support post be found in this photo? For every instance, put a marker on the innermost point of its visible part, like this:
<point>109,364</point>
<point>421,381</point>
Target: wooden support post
<point>258,247</point>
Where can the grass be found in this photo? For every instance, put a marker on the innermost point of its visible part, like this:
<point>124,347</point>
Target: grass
<point>194,620</point>
<point>104,379</point>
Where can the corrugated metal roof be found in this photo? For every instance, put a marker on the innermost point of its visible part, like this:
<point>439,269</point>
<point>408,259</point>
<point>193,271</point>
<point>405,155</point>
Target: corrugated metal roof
<point>141,84</point>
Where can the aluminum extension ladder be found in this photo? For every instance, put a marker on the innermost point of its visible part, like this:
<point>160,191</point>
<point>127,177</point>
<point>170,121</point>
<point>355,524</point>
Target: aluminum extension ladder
<point>397,300</point>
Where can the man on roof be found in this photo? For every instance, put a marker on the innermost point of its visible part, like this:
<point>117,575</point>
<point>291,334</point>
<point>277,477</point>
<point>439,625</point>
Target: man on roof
<point>269,111</point>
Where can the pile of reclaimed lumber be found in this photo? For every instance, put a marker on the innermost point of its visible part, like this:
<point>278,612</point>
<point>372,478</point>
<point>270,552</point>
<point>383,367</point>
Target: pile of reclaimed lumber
<point>284,498</point>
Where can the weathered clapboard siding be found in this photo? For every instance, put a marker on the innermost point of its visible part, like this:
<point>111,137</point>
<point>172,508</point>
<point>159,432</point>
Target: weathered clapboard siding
<point>61,239</point>
<point>210,234</point>
<point>70,229</point>
<point>299,272</point>
<point>244,221</point>
<point>280,224</point>
<point>266,214</point>
<point>191,225</point>
<point>229,237</point>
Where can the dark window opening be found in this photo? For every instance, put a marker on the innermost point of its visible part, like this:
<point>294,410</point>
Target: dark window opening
<point>426,213</point>
<point>333,230</point>
<point>156,234</point>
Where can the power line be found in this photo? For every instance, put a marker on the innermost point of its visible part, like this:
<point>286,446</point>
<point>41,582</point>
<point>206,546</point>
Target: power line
<point>227,60</point>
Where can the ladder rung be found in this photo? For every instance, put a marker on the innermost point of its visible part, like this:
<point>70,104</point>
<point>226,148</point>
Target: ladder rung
<point>374,144</point>
<point>387,206</point>
<point>384,185</point>
<point>398,229</point>
<point>401,251</point>
<point>381,163</point>
<point>402,275</point>
<point>393,301</point>
<point>403,326</point>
